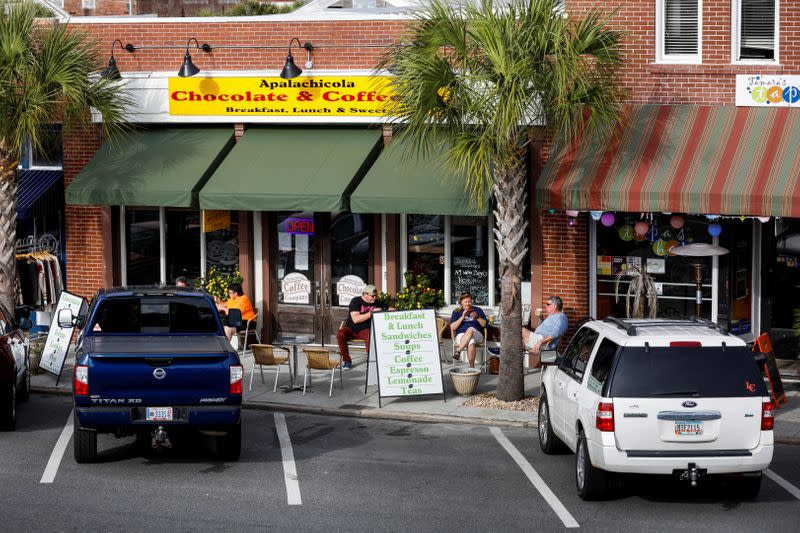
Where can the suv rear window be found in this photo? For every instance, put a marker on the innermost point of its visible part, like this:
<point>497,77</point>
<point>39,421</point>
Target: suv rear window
<point>693,372</point>
<point>154,315</point>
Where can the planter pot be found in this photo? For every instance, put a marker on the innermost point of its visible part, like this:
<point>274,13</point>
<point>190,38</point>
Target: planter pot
<point>465,380</point>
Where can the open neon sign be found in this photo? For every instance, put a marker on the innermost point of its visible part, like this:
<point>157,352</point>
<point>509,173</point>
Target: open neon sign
<point>302,226</point>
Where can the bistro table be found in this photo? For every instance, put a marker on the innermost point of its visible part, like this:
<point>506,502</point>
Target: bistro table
<point>293,341</point>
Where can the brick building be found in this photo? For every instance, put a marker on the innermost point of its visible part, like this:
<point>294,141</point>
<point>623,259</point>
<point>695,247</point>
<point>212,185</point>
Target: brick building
<point>700,142</point>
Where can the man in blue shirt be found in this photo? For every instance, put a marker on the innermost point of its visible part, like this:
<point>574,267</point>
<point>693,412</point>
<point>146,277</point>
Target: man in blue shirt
<point>550,331</point>
<point>467,324</point>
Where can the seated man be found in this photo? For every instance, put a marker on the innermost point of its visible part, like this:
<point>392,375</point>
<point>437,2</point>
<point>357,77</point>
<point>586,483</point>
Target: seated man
<point>550,331</point>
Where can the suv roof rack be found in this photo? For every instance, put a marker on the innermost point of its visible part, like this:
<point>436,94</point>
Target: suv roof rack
<point>630,325</point>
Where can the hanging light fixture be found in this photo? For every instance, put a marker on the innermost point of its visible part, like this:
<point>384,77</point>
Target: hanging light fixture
<point>290,70</point>
<point>111,72</point>
<point>188,68</point>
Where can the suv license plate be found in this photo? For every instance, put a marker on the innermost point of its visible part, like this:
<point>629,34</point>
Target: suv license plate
<point>158,413</point>
<point>689,427</point>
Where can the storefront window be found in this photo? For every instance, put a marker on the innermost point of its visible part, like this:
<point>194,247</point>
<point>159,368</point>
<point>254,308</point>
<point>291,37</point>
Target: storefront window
<point>783,282</point>
<point>426,247</point>
<point>349,255</point>
<point>222,245</point>
<point>183,244</point>
<point>142,238</point>
<point>295,264</point>
<point>469,270</point>
<point>619,247</point>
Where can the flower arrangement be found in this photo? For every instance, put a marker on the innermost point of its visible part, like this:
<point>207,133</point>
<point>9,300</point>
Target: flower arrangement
<point>417,294</point>
<point>216,283</point>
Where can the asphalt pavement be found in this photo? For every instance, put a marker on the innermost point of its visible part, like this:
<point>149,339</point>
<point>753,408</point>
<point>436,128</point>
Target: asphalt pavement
<point>350,399</point>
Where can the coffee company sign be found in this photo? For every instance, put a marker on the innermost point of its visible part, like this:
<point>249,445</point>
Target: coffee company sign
<point>296,289</point>
<point>346,96</point>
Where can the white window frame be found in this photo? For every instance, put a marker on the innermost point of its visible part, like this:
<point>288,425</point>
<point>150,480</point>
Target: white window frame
<point>27,147</point>
<point>690,59</point>
<point>736,36</point>
<point>88,4</point>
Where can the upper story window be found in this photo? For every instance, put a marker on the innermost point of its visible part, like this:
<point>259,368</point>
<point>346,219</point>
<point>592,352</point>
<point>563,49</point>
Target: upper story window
<point>48,155</point>
<point>679,32</point>
<point>755,32</point>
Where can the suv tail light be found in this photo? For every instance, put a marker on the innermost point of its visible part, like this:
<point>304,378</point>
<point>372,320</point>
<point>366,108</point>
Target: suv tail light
<point>605,416</point>
<point>237,373</point>
<point>767,416</point>
<point>81,380</point>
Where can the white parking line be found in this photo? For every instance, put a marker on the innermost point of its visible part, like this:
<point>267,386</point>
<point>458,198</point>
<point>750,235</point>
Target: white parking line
<point>51,469</point>
<point>794,491</point>
<point>551,499</point>
<point>289,469</point>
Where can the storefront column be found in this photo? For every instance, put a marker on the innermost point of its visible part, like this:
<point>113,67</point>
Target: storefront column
<point>246,251</point>
<point>258,270</point>
<point>755,301</point>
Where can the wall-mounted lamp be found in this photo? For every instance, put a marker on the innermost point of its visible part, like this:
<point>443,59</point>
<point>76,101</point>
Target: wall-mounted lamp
<point>290,70</point>
<point>111,71</point>
<point>188,68</point>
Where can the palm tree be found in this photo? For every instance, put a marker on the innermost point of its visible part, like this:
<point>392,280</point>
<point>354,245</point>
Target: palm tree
<point>45,77</point>
<point>472,79</point>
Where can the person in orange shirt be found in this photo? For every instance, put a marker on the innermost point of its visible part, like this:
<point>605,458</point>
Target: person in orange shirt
<point>237,300</point>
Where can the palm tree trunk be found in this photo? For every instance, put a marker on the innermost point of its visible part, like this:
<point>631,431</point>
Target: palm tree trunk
<point>8,228</point>
<point>512,245</point>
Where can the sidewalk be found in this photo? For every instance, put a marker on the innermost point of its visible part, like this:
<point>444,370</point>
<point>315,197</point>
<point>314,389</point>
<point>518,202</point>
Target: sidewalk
<point>352,401</point>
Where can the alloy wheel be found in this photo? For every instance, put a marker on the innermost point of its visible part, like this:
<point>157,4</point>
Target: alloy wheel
<point>580,465</point>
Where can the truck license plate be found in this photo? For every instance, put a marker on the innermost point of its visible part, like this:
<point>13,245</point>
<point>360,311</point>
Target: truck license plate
<point>689,427</point>
<point>158,413</point>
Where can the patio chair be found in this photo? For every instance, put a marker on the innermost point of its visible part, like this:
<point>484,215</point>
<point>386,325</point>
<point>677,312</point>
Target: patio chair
<point>441,327</point>
<point>480,348</point>
<point>320,359</point>
<point>264,355</point>
<point>251,328</point>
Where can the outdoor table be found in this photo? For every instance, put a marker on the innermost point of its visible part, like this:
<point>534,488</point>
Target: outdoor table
<point>294,341</point>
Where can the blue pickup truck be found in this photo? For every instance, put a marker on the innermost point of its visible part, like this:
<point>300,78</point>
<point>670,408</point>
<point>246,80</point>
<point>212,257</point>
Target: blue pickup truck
<point>150,362</point>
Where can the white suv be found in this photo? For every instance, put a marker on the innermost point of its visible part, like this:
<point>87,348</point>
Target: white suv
<point>656,397</point>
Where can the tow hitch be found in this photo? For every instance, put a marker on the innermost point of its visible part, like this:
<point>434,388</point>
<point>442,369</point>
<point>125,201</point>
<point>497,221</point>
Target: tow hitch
<point>691,474</point>
<point>160,438</point>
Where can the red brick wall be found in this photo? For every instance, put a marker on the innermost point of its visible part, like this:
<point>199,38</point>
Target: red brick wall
<point>86,268</point>
<point>102,8</point>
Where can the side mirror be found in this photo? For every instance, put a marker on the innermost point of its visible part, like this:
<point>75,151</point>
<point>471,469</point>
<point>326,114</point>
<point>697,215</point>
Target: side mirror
<point>548,357</point>
<point>65,318</point>
<point>234,318</point>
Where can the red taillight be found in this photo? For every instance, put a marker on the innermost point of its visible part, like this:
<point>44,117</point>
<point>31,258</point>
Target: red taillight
<point>686,344</point>
<point>767,416</point>
<point>81,375</point>
<point>605,416</point>
<point>237,373</point>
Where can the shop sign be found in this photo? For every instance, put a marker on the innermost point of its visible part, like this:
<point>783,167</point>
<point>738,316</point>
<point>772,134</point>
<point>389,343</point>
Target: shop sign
<point>406,348</point>
<point>346,96</point>
<point>348,287</point>
<point>298,226</point>
<point>767,91</point>
<point>216,220</point>
<point>296,289</point>
<point>58,338</point>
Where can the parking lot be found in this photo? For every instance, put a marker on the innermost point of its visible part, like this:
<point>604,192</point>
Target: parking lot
<point>312,472</point>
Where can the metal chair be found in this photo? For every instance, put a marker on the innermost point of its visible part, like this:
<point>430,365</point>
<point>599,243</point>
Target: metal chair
<point>320,359</point>
<point>441,326</point>
<point>251,327</point>
<point>264,355</point>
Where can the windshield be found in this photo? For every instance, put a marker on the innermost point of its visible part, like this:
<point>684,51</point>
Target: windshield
<point>153,315</point>
<point>686,372</point>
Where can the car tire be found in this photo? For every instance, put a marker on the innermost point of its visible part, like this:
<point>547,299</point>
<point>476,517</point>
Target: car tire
<point>8,408</point>
<point>592,483</point>
<point>229,446</point>
<point>25,391</point>
<point>750,485</point>
<point>84,444</point>
<point>548,441</point>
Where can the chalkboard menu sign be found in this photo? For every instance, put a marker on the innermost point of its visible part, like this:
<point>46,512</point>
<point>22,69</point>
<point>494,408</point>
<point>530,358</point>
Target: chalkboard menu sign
<point>470,275</point>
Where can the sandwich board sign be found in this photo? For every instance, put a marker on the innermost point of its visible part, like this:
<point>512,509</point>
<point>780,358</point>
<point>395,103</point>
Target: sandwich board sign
<point>404,354</point>
<point>58,339</point>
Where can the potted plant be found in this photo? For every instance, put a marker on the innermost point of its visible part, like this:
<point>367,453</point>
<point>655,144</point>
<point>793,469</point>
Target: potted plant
<point>641,289</point>
<point>417,294</point>
<point>216,283</point>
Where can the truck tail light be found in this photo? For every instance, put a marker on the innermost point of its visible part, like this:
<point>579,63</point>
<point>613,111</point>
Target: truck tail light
<point>81,380</point>
<point>605,416</point>
<point>767,416</point>
<point>237,373</point>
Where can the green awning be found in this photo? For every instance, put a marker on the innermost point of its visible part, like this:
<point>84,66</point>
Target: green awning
<point>402,182</point>
<point>158,167</point>
<point>292,169</point>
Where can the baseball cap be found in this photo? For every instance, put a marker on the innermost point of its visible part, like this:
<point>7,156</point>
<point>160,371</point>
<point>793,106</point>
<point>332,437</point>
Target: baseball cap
<point>369,289</point>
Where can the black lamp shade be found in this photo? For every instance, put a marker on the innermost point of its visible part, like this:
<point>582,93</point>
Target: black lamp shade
<point>188,68</point>
<point>111,72</point>
<point>290,70</point>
